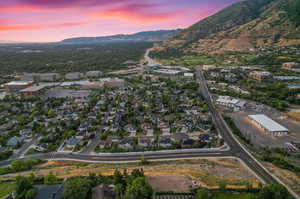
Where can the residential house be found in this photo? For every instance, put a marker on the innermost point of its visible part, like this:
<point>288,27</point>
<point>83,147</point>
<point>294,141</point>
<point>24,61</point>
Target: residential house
<point>72,142</point>
<point>144,141</point>
<point>14,141</point>
<point>129,128</point>
<point>126,143</point>
<point>165,142</point>
<point>179,137</point>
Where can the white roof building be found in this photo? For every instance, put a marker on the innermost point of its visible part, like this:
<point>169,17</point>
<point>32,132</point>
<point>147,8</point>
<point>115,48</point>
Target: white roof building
<point>269,125</point>
<point>167,71</point>
<point>188,74</point>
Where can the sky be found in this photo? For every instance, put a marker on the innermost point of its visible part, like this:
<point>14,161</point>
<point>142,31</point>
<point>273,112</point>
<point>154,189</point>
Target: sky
<point>55,20</point>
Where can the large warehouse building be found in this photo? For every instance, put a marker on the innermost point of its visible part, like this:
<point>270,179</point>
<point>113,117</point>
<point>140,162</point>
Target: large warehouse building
<point>268,125</point>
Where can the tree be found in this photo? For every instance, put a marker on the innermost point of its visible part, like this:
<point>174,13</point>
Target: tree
<point>118,178</point>
<point>138,189</point>
<point>119,190</point>
<point>23,184</point>
<point>30,194</point>
<point>137,173</point>
<point>274,191</point>
<point>50,179</point>
<point>77,188</point>
<point>202,194</point>
<point>222,185</point>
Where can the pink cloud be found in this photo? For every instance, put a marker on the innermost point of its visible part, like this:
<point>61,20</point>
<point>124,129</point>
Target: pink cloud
<point>143,14</point>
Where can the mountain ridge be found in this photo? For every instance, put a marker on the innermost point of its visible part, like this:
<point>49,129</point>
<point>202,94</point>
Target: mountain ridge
<point>154,36</point>
<point>243,26</point>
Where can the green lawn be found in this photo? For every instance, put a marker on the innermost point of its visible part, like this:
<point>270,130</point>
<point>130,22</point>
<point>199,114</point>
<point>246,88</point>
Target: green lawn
<point>6,188</point>
<point>231,196</point>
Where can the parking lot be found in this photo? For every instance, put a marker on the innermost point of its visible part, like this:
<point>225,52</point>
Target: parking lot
<point>260,138</point>
<point>62,93</point>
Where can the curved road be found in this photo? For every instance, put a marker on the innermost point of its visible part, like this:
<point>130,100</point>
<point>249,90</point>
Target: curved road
<point>236,148</point>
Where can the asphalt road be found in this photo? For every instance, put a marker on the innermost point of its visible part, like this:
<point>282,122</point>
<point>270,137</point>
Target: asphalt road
<point>236,148</point>
<point>93,144</point>
<point>25,148</point>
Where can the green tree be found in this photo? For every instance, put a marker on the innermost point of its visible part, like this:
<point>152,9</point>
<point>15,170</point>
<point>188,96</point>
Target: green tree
<point>118,178</point>
<point>16,165</point>
<point>77,187</point>
<point>30,194</point>
<point>201,194</point>
<point>222,185</point>
<point>139,189</point>
<point>50,179</point>
<point>119,191</point>
<point>274,191</point>
<point>23,184</point>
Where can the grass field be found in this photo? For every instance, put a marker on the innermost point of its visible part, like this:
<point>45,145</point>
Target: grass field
<point>232,196</point>
<point>6,188</point>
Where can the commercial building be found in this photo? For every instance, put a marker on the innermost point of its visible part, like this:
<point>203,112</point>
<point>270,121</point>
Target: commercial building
<point>167,71</point>
<point>261,75</point>
<point>34,77</point>
<point>209,67</point>
<point>16,86</point>
<point>286,78</point>
<point>268,125</point>
<point>113,82</point>
<point>189,75</point>
<point>50,77</point>
<point>231,103</point>
<point>33,91</point>
<point>73,76</point>
<point>291,65</point>
<point>38,77</point>
<point>92,74</point>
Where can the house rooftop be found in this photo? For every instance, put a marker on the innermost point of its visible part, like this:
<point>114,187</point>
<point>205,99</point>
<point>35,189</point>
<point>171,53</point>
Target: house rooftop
<point>33,89</point>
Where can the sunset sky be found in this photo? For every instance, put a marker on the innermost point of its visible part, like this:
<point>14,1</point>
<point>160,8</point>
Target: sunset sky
<point>54,20</point>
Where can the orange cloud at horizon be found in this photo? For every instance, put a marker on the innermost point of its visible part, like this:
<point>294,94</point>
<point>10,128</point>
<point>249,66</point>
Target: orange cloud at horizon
<point>38,27</point>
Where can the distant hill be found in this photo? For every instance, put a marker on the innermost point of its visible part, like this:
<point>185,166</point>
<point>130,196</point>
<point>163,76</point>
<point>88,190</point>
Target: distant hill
<point>243,26</point>
<point>154,36</point>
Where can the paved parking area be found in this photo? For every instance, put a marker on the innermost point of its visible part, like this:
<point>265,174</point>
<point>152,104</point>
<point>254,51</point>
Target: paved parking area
<point>62,93</point>
<point>260,138</point>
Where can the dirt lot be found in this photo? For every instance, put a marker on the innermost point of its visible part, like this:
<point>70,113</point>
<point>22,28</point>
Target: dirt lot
<point>287,177</point>
<point>180,183</point>
<point>260,138</point>
<point>205,172</point>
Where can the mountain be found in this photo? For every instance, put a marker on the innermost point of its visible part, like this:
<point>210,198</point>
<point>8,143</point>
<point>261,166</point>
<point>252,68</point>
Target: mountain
<point>155,36</point>
<point>243,26</point>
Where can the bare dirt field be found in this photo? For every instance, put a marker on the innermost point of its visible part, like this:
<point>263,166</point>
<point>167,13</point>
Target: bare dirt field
<point>207,172</point>
<point>287,177</point>
<point>166,183</point>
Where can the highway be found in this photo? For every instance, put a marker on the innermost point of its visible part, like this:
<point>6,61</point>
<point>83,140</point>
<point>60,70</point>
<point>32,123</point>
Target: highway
<point>236,148</point>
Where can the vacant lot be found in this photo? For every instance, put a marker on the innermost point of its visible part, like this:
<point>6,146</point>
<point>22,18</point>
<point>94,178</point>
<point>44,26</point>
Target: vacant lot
<point>291,179</point>
<point>166,183</point>
<point>205,172</point>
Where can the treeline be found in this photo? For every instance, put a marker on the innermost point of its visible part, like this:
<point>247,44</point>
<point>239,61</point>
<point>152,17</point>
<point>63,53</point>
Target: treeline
<point>66,58</point>
<point>20,165</point>
<point>236,130</point>
<point>293,11</point>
